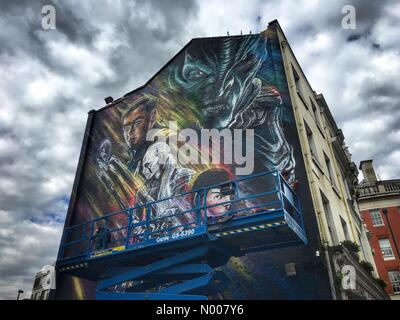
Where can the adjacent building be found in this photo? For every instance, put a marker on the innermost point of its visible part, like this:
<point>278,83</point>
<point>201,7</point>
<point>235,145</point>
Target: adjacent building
<point>379,202</point>
<point>44,285</point>
<point>332,177</point>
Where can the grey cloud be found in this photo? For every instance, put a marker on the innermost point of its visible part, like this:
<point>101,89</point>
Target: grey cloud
<point>78,29</point>
<point>51,79</point>
<point>24,244</point>
<point>46,95</point>
<point>381,95</point>
<point>369,14</point>
<point>346,66</point>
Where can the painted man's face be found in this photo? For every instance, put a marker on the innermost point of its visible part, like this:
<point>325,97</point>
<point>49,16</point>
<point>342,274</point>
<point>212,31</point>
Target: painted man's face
<point>214,197</point>
<point>136,125</point>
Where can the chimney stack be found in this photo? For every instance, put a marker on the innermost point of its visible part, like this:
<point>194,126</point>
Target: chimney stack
<point>368,171</point>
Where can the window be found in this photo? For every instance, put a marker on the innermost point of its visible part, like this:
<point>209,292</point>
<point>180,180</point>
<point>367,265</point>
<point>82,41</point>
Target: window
<point>36,284</point>
<point>376,218</point>
<point>44,295</point>
<point>394,277</point>
<point>329,219</point>
<point>315,112</point>
<point>345,229</point>
<point>311,142</point>
<point>386,248</point>
<point>296,80</point>
<point>329,168</point>
<point>346,187</point>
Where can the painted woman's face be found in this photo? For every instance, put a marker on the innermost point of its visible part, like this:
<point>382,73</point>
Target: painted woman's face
<point>214,197</point>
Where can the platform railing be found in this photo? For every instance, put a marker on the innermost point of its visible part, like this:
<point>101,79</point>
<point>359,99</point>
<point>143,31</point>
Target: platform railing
<point>185,215</point>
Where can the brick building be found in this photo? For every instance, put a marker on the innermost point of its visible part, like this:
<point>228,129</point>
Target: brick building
<point>379,202</point>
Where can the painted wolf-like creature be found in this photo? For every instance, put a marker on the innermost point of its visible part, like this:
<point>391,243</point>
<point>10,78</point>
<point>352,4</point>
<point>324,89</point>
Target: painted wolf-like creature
<point>223,77</point>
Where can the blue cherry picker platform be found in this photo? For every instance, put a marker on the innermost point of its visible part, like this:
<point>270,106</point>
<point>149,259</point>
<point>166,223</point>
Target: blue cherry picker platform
<point>138,253</point>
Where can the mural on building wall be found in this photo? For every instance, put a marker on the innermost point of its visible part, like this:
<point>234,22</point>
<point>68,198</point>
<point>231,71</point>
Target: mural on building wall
<point>215,83</point>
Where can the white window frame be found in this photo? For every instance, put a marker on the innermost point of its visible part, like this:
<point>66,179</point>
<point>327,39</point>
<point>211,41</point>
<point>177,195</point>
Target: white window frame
<point>376,211</point>
<point>387,251</point>
<point>311,142</point>
<point>329,167</point>
<point>315,112</point>
<point>395,280</point>
<point>297,79</point>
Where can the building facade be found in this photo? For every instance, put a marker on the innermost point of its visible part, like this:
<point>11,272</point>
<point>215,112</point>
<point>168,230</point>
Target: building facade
<point>379,202</point>
<point>233,83</point>
<point>332,178</point>
<point>45,284</point>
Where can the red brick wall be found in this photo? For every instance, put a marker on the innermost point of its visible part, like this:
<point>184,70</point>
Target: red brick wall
<point>383,266</point>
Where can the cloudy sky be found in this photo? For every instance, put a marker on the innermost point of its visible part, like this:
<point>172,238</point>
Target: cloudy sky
<point>51,79</point>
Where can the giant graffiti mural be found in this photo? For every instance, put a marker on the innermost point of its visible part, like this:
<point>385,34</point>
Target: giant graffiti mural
<point>213,83</point>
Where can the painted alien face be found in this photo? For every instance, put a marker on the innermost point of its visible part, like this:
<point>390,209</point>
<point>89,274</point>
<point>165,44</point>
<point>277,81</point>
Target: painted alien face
<point>155,159</point>
<point>220,77</point>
